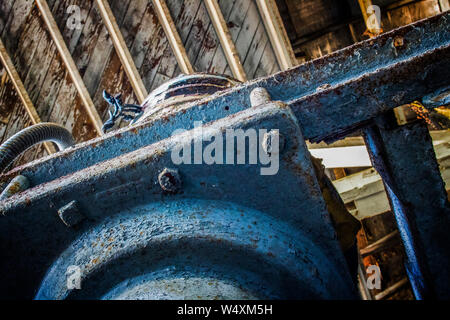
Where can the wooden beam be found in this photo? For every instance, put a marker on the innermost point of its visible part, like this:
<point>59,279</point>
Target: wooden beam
<point>365,189</point>
<point>70,64</point>
<point>122,50</point>
<point>22,92</point>
<point>224,36</point>
<point>392,289</point>
<point>172,35</point>
<point>380,244</point>
<point>444,5</point>
<point>277,33</point>
<point>372,25</point>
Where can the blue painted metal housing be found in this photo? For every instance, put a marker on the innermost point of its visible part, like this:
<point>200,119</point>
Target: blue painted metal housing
<point>227,231</point>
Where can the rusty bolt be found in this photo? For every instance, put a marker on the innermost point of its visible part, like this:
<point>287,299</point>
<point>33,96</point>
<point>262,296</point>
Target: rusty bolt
<point>18,184</point>
<point>399,42</point>
<point>259,96</point>
<point>70,214</point>
<point>270,140</point>
<point>170,180</point>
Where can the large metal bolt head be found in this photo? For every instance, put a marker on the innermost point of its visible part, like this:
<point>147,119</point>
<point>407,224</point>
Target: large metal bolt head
<point>399,42</point>
<point>70,214</point>
<point>259,96</point>
<point>18,184</point>
<point>273,142</point>
<point>170,180</point>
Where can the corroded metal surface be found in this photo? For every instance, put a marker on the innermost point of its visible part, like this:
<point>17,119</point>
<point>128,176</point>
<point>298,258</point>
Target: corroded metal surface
<point>273,243</point>
<point>405,159</point>
<point>144,230</point>
<point>330,96</point>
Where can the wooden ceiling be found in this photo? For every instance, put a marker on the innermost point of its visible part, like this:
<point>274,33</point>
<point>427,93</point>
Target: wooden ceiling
<point>66,52</point>
<point>65,65</point>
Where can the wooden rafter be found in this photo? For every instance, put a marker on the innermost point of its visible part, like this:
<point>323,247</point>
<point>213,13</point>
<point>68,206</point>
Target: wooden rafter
<point>171,32</point>
<point>122,50</point>
<point>392,289</point>
<point>70,64</point>
<point>444,5</point>
<point>277,33</point>
<point>22,92</point>
<point>224,36</point>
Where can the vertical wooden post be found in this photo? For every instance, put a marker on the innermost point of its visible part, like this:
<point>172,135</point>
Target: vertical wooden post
<point>444,5</point>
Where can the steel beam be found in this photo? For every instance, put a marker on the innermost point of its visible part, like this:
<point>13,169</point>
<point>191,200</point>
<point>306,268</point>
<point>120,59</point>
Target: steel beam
<point>405,159</point>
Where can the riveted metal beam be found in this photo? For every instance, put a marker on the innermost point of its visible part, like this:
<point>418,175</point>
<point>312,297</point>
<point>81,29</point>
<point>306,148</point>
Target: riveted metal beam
<point>404,157</point>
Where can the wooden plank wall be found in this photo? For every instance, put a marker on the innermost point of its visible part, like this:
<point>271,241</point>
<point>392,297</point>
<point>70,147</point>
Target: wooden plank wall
<point>311,17</point>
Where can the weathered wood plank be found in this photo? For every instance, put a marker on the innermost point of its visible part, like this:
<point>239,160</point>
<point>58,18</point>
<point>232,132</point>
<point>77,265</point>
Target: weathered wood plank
<point>222,32</point>
<point>22,92</point>
<point>256,51</point>
<point>122,47</point>
<point>181,53</point>
<point>219,62</point>
<point>5,9</point>
<point>15,24</point>
<point>154,54</point>
<point>65,103</point>
<point>114,80</point>
<point>70,64</point>
<point>20,37</point>
<point>100,52</point>
<point>9,100</point>
<point>277,34</point>
<point>268,63</point>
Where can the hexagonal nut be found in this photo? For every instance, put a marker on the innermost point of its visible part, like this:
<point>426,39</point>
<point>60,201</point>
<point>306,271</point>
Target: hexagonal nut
<point>70,214</point>
<point>398,42</point>
<point>170,180</point>
<point>273,142</point>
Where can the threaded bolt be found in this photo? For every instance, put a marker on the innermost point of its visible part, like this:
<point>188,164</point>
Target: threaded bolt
<point>259,96</point>
<point>18,184</point>
<point>70,214</point>
<point>170,180</point>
